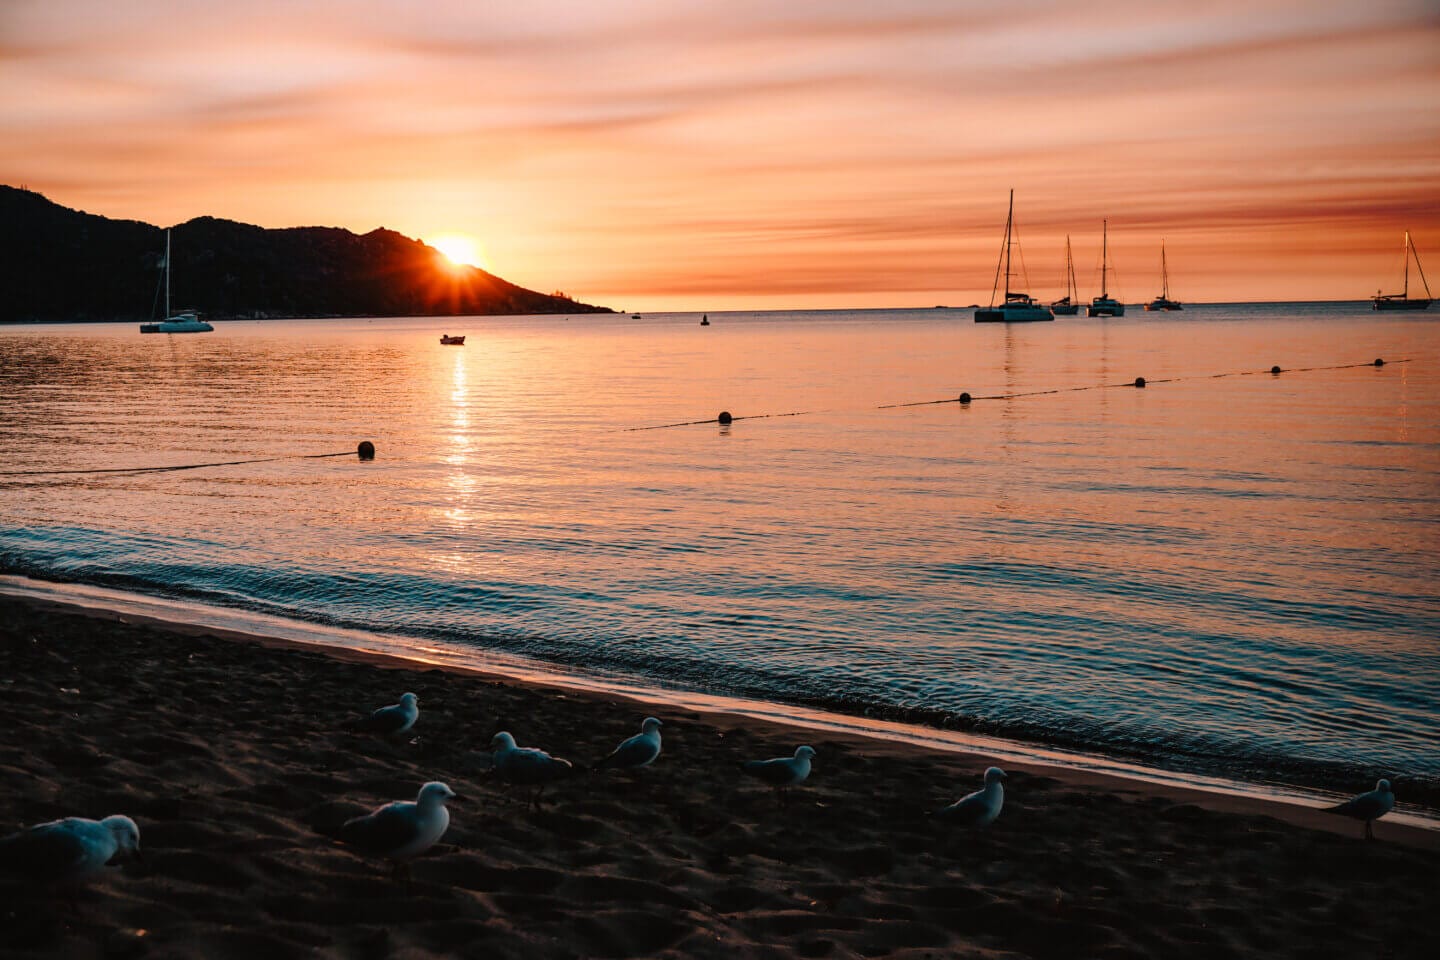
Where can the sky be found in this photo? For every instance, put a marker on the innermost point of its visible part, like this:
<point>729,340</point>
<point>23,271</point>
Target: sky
<point>735,154</point>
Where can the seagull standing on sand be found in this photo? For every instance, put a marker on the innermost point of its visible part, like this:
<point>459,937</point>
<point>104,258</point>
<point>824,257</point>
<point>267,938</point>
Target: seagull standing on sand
<point>525,766</point>
<point>978,809</point>
<point>782,773</point>
<point>1368,806</point>
<point>395,719</point>
<point>67,851</point>
<point>402,830</point>
<point>639,751</point>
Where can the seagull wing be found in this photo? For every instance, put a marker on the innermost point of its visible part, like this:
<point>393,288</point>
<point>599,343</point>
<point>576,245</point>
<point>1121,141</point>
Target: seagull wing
<point>531,766</point>
<point>635,752</point>
<point>42,853</point>
<point>967,810</point>
<point>777,772</point>
<point>1367,806</point>
<point>383,831</point>
<point>386,719</point>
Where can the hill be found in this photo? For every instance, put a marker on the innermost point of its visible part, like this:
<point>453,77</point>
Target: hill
<point>63,264</point>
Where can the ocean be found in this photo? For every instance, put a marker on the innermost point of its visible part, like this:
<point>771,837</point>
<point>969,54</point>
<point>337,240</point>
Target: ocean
<point>1227,571</point>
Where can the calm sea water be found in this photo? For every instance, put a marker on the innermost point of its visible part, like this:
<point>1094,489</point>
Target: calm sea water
<point>1237,574</point>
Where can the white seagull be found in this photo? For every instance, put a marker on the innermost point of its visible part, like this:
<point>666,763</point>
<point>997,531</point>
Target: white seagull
<point>639,751</point>
<point>782,772</point>
<point>402,830</point>
<point>69,850</point>
<point>395,719</point>
<point>978,809</point>
<point>525,766</point>
<point>1368,806</point>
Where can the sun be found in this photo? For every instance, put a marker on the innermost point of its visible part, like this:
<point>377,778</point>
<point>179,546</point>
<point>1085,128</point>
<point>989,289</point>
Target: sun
<point>458,249</point>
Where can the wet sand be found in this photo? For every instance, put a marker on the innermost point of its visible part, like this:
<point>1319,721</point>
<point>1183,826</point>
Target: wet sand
<point>233,756</point>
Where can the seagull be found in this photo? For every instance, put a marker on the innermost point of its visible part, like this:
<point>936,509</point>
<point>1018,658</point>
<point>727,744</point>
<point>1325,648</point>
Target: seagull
<point>782,772</point>
<point>1368,806</point>
<point>67,851</point>
<point>402,830</point>
<point>526,765</point>
<point>393,720</point>
<point>978,809</point>
<point>639,751</point>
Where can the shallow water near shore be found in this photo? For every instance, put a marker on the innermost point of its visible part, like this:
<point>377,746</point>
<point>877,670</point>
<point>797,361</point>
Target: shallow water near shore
<point>1235,574</point>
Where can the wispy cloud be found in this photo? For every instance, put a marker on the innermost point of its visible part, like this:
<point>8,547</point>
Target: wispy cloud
<point>702,150</point>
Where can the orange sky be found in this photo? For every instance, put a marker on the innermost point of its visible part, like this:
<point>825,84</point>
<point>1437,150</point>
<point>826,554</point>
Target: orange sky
<point>699,154</point>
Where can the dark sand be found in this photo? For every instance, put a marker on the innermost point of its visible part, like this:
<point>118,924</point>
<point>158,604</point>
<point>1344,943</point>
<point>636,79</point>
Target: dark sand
<point>232,756</point>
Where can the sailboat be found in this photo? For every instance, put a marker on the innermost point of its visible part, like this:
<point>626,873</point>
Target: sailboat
<point>1068,305</point>
<point>184,322</point>
<point>1163,302</point>
<point>1016,307</point>
<point>1402,300</point>
<point>1103,305</point>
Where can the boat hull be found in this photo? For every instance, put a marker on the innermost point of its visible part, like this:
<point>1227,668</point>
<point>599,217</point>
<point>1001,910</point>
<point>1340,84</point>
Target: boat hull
<point>1013,313</point>
<point>177,326</point>
<point>1398,303</point>
<point>1160,303</point>
<point>1104,307</point>
<point>1065,309</point>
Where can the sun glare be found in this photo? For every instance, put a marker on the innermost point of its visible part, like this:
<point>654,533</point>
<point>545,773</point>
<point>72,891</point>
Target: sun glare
<point>458,249</point>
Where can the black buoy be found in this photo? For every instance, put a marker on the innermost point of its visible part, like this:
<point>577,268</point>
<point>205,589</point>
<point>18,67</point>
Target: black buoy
<point>1275,369</point>
<point>1139,381</point>
<point>964,398</point>
<point>1379,362</point>
<point>366,450</point>
<point>724,416</point>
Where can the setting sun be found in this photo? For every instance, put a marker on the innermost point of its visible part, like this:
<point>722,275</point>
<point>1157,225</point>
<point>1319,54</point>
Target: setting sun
<point>458,249</point>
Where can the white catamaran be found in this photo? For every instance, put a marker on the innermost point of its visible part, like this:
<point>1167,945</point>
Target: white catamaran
<point>184,322</point>
<point>1403,300</point>
<point>1016,307</point>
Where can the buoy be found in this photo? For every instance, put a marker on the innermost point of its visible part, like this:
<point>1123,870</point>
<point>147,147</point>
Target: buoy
<point>1379,362</point>
<point>1139,381</point>
<point>366,450</point>
<point>1275,369</point>
<point>964,398</point>
<point>724,416</point>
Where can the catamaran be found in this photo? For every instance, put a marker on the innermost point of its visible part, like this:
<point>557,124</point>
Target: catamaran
<point>1068,305</point>
<point>1163,302</point>
<point>1403,300</point>
<point>184,322</point>
<point>1016,307</point>
<point>1103,305</point>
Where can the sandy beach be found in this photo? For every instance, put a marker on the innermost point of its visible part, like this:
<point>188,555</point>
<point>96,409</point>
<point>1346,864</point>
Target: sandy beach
<point>233,756</point>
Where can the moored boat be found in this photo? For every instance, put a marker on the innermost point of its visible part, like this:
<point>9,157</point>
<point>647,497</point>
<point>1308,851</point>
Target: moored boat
<point>1163,302</point>
<point>1068,305</point>
<point>1104,305</point>
<point>1403,300</point>
<point>186,321</point>
<point>450,341</point>
<point>1015,307</point>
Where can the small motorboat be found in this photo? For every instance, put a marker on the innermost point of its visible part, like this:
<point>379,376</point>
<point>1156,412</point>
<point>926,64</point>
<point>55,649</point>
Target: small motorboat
<point>448,340</point>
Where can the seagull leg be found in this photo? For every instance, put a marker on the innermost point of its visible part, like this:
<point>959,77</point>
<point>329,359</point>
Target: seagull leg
<point>1369,830</point>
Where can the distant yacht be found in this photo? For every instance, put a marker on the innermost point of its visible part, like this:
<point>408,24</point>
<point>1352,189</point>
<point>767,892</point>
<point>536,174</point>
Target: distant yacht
<point>184,322</point>
<point>1068,305</point>
<point>1402,300</point>
<point>1016,307</point>
<point>1103,305</point>
<point>1163,302</point>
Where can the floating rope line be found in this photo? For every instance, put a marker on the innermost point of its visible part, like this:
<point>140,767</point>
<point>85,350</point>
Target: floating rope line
<point>965,398</point>
<point>185,466</point>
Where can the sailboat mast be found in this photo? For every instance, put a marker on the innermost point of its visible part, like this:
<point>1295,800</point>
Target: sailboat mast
<point>1164,272</point>
<point>1009,241</point>
<point>167,275</point>
<point>1104,256</point>
<point>1405,292</point>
